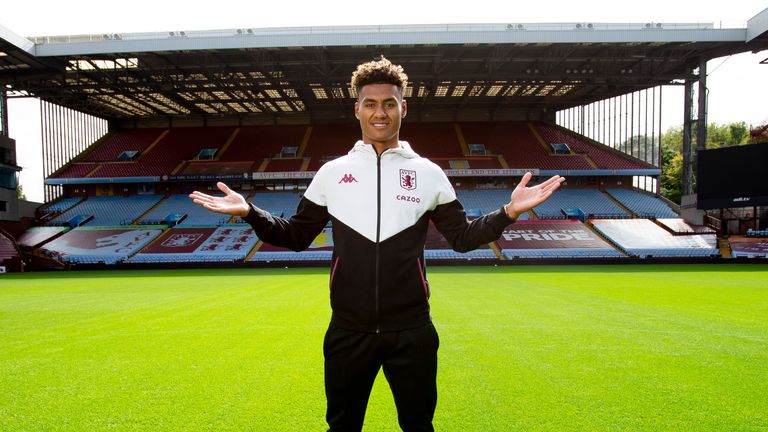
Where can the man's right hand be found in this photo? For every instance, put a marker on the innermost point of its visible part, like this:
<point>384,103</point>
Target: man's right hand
<point>232,203</point>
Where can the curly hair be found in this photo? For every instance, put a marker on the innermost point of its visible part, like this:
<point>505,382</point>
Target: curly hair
<point>381,71</point>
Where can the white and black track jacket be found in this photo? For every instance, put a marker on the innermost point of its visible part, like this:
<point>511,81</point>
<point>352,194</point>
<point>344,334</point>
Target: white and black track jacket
<point>380,207</point>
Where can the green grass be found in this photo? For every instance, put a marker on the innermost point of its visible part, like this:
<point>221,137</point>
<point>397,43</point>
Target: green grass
<point>567,348</point>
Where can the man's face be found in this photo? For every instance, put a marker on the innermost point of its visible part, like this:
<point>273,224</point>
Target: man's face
<point>380,108</point>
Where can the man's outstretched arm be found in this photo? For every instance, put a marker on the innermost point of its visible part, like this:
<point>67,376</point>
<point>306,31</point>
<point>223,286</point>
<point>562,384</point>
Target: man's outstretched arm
<point>296,233</point>
<point>465,236</point>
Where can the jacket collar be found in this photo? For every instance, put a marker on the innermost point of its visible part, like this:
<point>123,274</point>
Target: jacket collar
<point>404,150</point>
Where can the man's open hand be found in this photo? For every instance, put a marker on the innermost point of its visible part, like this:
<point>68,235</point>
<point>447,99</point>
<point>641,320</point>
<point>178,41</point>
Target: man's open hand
<point>232,203</point>
<point>525,198</point>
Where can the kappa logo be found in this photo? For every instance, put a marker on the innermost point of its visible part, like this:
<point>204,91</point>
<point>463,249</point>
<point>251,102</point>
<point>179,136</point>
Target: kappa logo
<point>348,178</point>
<point>407,179</point>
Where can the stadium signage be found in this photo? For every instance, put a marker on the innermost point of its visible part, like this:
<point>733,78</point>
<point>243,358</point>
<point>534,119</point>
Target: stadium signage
<point>517,172</point>
<point>197,177</point>
<point>283,175</point>
<point>548,235</point>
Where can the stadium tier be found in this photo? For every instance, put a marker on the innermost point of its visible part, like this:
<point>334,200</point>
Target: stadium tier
<point>601,156</point>
<point>585,202</point>
<point>59,206</point>
<point>679,226</point>
<point>223,244</point>
<point>37,236</point>
<point>477,202</point>
<point>180,207</point>
<point>101,245</point>
<point>159,151</point>
<point>108,210</point>
<point>642,204</point>
<point>321,249</point>
<point>254,143</point>
<point>643,238</point>
<point>277,203</point>
<point>554,239</point>
<point>520,146</point>
<point>748,247</point>
<point>437,248</point>
<point>9,251</point>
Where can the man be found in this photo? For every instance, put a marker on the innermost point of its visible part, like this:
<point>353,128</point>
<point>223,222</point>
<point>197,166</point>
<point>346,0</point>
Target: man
<point>380,198</point>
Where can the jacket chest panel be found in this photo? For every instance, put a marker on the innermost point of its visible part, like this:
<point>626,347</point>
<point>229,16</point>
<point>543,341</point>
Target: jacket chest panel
<point>354,191</point>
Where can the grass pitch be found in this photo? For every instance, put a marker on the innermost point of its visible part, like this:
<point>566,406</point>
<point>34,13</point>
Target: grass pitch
<point>606,348</point>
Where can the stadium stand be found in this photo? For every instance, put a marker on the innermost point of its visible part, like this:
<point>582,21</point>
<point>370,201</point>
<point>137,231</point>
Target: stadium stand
<point>109,210</point>
<point>180,144</point>
<point>479,202</point>
<point>748,247</point>
<point>590,202</point>
<point>437,248</point>
<point>254,143</point>
<point>519,146</point>
<point>10,255</point>
<point>277,203</point>
<point>121,141</point>
<point>757,233</point>
<point>601,155</point>
<point>189,212</point>
<point>77,170</point>
<point>678,226</point>
<point>37,236</point>
<point>101,245</point>
<point>327,142</point>
<point>177,245</point>
<point>642,204</point>
<point>58,206</point>
<point>284,165</point>
<point>321,249</point>
<point>643,238</point>
<point>432,139</point>
<point>553,239</point>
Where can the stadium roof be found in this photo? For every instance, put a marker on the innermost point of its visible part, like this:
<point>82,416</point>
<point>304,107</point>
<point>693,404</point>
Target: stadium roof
<point>304,72</point>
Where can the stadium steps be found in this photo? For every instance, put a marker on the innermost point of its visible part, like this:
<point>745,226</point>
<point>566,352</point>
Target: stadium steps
<point>497,251</point>
<point>95,168</point>
<point>607,239</point>
<point>615,201</point>
<point>304,143</point>
<point>153,145</point>
<point>82,156</point>
<point>591,162</point>
<point>462,141</point>
<point>253,251</point>
<point>263,165</point>
<point>725,248</point>
<point>502,161</point>
<point>605,147</point>
<point>148,245</point>
<point>532,215</point>
<point>305,163</point>
<point>226,145</point>
<point>539,139</point>
<point>147,213</point>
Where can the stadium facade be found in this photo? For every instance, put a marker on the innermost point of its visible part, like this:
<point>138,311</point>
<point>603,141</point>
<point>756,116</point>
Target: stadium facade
<point>136,120</point>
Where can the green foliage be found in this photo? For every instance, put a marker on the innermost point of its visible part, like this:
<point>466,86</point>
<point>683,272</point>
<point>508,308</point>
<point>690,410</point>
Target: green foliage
<point>20,192</point>
<point>554,348</point>
<point>672,152</point>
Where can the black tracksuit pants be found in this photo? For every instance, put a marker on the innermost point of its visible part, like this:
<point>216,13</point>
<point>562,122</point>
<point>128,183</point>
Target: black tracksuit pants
<point>352,361</point>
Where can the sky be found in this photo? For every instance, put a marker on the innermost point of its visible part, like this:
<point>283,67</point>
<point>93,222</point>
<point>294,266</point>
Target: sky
<point>737,84</point>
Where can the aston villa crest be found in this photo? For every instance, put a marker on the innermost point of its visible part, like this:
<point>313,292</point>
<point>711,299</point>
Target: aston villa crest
<point>408,179</point>
<point>181,240</point>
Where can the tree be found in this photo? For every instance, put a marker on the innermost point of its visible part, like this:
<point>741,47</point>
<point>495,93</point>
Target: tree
<point>20,193</point>
<point>671,181</point>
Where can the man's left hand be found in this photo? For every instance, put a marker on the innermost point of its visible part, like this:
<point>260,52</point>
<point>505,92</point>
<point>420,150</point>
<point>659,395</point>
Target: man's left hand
<point>525,198</point>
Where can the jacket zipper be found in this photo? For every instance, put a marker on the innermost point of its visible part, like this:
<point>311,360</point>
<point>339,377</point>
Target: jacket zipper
<point>378,232</point>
